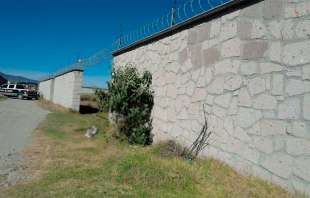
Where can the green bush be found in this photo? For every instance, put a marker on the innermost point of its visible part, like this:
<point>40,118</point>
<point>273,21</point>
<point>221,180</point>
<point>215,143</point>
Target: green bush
<point>131,101</point>
<point>102,100</point>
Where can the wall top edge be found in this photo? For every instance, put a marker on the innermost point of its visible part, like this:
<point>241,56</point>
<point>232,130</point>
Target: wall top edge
<point>206,16</point>
<point>62,73</point>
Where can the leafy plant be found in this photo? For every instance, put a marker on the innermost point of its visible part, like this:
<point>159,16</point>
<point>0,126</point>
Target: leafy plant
<point>131,100</point>
<point>102,100</point>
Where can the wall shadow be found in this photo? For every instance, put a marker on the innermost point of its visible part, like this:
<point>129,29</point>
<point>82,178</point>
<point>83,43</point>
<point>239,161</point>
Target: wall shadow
<point>87,109</point>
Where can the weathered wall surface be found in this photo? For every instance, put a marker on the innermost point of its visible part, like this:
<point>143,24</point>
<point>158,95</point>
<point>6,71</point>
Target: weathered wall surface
<point>45,89</point>
<point>64,89</point>
<point>251,68</point>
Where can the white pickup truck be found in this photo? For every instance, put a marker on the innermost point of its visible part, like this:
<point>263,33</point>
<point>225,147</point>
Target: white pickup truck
<point>18,91</point>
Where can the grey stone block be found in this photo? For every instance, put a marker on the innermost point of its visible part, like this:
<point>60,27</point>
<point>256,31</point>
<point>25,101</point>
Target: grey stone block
<point>270,67</point>
<point>244,98</point>
<point>273,8</point>
<point>301,168</point>
<point>296,53</point>
<point>300,129</point>
<point>254,49</point>
<point>306,107</point>
<point>217,86</point>
<point>231,48</point>
<point>303,29</point>
<point>297,146</point>
<point>248,68</point>
<point>196,55</point>
<point>256,85</point>
<point>279,163</point>
<point>290,109</point>
<point>265,102</point>
<point>253,11</point>
<point>244,29</point>
<point>277,84</point>
<point>306,72</point>
<point>203,32</point>
<point>247,117</point>
<point>215,28</point>
<point>226,66</point>
<point>210,56</point>
<point>229,30</point>
<point>272,127</point>
<point>297,87</point>
<point>183,56</point>
<point>223,100</point>
<point>192,37</point>
<point>232,82</point>
<point>264,144</point>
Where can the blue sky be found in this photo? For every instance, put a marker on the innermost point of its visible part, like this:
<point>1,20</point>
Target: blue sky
<point>39,37</point>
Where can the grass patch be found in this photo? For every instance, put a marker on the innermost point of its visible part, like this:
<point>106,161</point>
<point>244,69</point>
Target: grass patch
<point>74,166</point>
<point>2,98</point>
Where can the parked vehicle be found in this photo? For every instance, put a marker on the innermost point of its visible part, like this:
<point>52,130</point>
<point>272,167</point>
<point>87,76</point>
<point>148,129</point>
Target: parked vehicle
<point>18,91</point>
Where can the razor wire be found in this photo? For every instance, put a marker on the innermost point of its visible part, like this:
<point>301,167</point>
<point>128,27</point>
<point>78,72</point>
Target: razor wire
<point>181,13</point>
<point>80,64</point>
<point>177,15</point>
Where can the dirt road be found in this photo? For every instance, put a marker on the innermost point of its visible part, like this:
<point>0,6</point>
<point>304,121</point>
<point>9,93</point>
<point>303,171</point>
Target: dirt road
<point>18,119</point>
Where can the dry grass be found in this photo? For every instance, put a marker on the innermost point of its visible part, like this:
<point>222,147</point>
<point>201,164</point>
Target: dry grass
<point>89,103</point>
<point>66,164</point>
<point>88,97</point>
<point>51,106</point>
<point>2,98</point>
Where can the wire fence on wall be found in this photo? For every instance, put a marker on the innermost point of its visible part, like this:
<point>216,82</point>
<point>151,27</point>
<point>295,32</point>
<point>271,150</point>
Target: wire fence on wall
<point>178,14</point>
<point>80,64</point>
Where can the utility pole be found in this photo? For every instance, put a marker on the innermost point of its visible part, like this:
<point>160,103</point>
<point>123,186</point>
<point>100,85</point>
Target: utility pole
<point>173,12</point>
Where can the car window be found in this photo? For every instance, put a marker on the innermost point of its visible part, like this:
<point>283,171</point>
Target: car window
<point>11,86</point>
<point>20,87</point>
<point>4,86</point>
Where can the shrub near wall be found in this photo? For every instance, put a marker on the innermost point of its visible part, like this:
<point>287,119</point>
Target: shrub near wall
<point>252,69</point>
<point>102,100</point>
<point>130,98</point>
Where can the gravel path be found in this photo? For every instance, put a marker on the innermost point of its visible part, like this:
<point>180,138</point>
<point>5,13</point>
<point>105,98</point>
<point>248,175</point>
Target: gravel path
<point>18,119</point>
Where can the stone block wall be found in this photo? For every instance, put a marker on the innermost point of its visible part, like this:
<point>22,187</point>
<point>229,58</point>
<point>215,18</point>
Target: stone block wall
<point>251,69</point>
<point>63,89</point>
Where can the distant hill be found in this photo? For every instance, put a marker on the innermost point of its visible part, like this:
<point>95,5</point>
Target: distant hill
<point>17,79</point>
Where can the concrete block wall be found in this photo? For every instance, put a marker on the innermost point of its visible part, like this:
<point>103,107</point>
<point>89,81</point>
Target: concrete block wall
<point>63,89</point>
<point>251,69</point>
<point>45,89</point>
